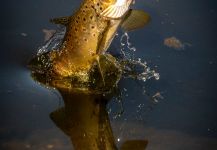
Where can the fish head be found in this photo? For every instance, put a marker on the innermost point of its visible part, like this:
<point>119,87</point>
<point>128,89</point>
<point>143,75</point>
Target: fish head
<point>116,8</point>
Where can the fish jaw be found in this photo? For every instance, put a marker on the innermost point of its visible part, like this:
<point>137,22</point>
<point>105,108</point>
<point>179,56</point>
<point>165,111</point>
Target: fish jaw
<point>117,10</point>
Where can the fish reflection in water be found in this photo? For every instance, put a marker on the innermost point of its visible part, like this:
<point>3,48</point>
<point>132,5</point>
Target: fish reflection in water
<point>85,75</point>
<point>85,120</point>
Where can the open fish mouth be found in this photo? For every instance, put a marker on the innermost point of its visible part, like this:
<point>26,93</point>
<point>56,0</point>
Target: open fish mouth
<point>118,9</point>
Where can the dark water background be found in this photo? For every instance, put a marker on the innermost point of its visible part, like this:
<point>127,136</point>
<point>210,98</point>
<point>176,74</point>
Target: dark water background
<point>185,119</point>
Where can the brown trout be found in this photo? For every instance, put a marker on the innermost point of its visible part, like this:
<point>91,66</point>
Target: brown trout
<point>89,33</point>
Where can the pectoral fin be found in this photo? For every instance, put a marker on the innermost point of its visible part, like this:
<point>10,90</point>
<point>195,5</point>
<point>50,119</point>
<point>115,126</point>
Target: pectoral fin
<point>62,20</point>
<point>100,69</point>
<point>135,19</point>
<point>108,36</point>
<point>135,144</point>
<point>106,72</point>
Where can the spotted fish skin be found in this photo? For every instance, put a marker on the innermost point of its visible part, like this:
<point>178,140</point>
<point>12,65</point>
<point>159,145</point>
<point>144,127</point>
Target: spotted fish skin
<point>84,35</point>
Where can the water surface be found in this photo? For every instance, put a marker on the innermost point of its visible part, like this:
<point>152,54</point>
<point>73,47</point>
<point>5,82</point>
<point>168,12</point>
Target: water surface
<point>186,117</point>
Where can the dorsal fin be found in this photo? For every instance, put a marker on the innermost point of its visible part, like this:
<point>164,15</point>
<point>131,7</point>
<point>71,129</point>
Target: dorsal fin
<point>62,20</point>
<point>135,19</point>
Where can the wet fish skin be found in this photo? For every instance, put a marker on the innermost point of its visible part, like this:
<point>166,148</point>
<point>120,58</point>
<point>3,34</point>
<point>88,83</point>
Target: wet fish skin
<point>88,34</point>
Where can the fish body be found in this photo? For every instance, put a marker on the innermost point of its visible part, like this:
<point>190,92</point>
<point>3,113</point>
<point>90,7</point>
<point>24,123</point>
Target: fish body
<point>89,33</point>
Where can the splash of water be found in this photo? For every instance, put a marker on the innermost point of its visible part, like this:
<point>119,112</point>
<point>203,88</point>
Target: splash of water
<point>54,42</point>
<point>132,67</point>
<point>136,69</point>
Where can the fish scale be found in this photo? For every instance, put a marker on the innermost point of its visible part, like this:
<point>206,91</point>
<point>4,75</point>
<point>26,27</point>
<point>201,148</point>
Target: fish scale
<point>82,37</point>
<point>89,33</point>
